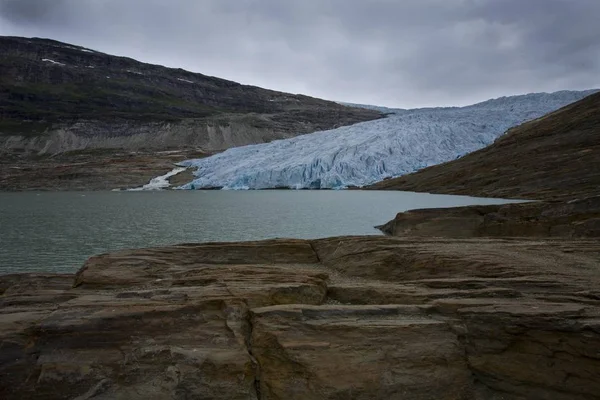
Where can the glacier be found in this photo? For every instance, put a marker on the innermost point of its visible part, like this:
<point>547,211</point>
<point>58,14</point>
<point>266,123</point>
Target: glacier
<point>361,154</point>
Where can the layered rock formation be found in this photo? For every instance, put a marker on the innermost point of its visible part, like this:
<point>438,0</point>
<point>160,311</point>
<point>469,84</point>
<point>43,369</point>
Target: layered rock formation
<point>573,219</point>
<point>94,169</point>
<point>349,317</point>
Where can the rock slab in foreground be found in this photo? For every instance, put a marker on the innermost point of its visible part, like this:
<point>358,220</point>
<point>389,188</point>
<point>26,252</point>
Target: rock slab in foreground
<point>351,317</point>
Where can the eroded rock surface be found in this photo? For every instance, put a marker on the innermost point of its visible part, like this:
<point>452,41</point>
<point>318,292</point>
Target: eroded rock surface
<point>349,317</point>
<point>576,218</point>
<point>92,170</point>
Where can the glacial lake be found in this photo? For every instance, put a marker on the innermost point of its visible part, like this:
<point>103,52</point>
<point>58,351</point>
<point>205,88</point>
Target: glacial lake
<point>58,231</point>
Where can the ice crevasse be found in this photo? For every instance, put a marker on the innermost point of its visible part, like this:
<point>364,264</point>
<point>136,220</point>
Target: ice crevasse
<point>368,152</point>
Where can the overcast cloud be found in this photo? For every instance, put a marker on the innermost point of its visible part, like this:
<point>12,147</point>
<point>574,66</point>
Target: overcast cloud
<point>403,53</point>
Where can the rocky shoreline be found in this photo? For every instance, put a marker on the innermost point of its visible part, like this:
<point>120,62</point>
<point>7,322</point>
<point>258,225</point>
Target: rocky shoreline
<point>348,317</point>
<point>573,219</point>
<point>99,169</point>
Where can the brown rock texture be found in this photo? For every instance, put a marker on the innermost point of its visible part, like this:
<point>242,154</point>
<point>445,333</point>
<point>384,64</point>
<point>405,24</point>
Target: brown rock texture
<point>95,169</point>
<point>350,317</point>
<point>556,157</point>
<point>576,218</point>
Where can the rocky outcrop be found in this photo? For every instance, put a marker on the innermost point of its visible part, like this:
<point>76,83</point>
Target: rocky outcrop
<point>58,97</point>
<point>556,157</point>
<point>210,133</point>
<point>349,317</point>
<point>98,169</point>
<point>576,218</point>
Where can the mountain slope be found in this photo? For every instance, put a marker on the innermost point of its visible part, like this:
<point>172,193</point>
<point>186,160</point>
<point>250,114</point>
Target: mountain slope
<point>554,157</point>
<point>371,151</point>
<point>56,97</point>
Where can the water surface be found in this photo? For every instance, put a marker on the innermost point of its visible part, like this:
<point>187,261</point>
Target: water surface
<point>57,232</point>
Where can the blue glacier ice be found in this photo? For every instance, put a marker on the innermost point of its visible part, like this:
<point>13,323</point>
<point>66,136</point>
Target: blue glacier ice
<point>364,153</point>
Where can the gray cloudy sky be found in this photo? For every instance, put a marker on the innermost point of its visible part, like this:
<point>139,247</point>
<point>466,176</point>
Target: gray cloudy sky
<point>402,53</point>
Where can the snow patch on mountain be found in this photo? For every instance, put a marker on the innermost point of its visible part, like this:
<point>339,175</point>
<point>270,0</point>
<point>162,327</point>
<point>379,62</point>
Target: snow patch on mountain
<point>368,152</point>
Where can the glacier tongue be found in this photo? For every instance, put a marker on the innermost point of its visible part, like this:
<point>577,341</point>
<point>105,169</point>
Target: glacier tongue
<point>371,151</point>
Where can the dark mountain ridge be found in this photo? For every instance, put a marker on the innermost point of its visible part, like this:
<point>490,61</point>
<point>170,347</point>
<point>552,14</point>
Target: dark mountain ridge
<point>57,97</point>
